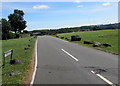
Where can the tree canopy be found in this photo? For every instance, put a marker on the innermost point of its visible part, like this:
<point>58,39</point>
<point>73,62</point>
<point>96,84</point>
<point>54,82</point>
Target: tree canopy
<point>17,21</point>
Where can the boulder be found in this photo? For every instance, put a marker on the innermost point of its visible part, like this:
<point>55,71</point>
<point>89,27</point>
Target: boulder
<point>28,45</point>
<point>88,42</point>
<point>15,61</point>
<point>75,38</point>
<point>15,73</point>
<point>26,48</point>
<point>106,45</point>
<point>96,44</point>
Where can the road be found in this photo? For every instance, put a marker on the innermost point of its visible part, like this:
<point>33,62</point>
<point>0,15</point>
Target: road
<point>62,62</point>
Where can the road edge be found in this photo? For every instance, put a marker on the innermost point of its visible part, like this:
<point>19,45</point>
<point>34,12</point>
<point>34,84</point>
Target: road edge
<point>34,73</point>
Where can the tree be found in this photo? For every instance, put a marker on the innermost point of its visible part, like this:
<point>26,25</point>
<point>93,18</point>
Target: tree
<point>6,27</point>
<point>17,21</point>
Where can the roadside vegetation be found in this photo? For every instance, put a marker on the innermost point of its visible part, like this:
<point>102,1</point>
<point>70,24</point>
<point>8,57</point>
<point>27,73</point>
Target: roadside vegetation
<point>102,36</point>
<point>14,36</point>
<point>22,50</point>
<point>12,27</point>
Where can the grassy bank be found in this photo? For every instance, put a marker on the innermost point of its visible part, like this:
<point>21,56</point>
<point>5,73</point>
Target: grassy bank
<point>19,53</point>
<point>102,36</point>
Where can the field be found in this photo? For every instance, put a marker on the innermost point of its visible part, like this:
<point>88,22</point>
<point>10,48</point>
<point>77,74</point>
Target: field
<point>102,36</point>
<point>19,53</point>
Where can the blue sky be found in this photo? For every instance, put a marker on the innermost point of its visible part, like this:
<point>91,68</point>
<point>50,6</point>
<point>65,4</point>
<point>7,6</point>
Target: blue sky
<point>54,15</point>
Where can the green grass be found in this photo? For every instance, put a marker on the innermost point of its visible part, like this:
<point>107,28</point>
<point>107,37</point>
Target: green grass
<point>102,36</point>
<point>18,46</point>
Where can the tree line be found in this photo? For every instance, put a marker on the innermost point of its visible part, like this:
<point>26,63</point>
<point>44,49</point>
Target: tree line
<point>12,27</point>
<point>76,29</point>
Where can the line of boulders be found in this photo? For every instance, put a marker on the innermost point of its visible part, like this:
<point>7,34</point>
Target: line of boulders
<point>97,44</point>
<point>28,46</point>
<point>78,38</point>
<point>17,61</point>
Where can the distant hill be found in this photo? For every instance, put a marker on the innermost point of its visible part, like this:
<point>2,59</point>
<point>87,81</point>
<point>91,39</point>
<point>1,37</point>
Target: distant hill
<point>77,29</point>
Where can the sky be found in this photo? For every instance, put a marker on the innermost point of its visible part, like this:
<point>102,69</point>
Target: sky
<point>55,15</point>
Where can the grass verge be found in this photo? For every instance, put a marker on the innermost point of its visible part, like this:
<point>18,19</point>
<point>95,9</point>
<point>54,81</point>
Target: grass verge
<point>19,53</point>
<point>102,36</point>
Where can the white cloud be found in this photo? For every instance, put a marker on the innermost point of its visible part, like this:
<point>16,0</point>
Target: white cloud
<point>77,1</point>
<point>106,4</point>
<point>80,6</point>
<point>41,7</point>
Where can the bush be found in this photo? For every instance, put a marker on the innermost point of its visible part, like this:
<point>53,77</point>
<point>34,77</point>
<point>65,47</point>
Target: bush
<point>6,36</point>
<point>25,31</point>
<point>17,35</point>
<point>10,36</point>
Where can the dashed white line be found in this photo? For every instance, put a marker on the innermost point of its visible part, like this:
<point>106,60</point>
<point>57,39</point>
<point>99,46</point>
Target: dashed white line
<point>34,73</point>
<point>104,79</point>
<point>70,55</point>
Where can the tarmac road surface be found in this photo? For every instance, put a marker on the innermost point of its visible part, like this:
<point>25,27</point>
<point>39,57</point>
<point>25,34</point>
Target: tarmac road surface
<point>62,62</point>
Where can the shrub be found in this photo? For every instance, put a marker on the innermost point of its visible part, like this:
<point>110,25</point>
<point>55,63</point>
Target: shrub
<point>17,35</point>
<point>6,36</point>
<point>10,36</point>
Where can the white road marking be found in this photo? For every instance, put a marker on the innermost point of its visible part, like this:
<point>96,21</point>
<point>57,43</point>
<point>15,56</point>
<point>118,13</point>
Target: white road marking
<point>104,79</point>
<point>70,55</point>
<point>34,73</point>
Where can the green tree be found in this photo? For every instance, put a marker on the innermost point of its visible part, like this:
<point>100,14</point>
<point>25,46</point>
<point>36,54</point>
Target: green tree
<point>6,27</point>
<point>17,21</point>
